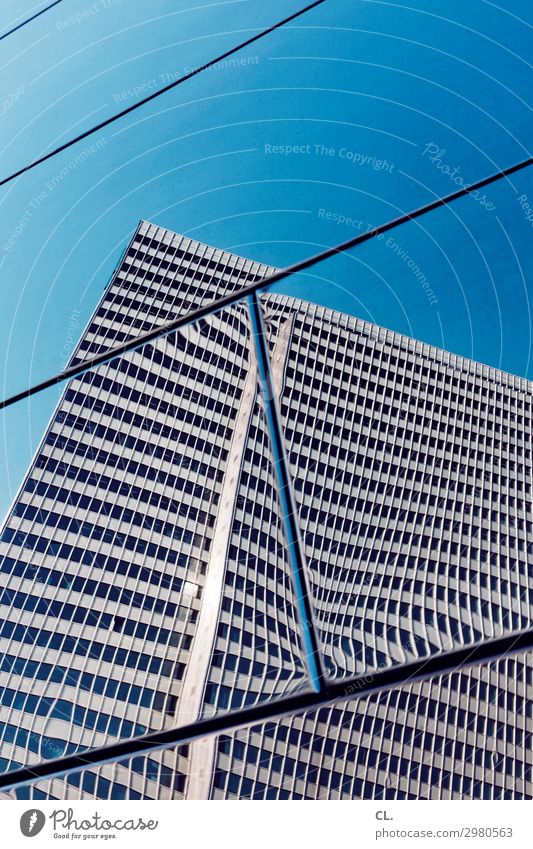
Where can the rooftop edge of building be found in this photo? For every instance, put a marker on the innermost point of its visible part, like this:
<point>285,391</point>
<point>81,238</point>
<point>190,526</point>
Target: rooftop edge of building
<point>353,323</point>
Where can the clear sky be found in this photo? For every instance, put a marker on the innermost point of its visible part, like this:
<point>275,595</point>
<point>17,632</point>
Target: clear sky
<point>359,111</point>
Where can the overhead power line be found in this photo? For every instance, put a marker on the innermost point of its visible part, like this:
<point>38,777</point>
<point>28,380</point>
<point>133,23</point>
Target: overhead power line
<point>234,297</point>
<point>30,19</point>
<point>160,91</point>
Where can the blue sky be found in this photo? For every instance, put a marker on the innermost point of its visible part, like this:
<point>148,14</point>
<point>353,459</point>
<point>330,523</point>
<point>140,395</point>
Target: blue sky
<point>359,111</point>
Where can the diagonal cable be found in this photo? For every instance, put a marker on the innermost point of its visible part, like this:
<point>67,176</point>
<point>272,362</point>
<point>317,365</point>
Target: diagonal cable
<point>29,20</point>
<point>234,297</point>
<point>289,512</point>
<point>160,91</point>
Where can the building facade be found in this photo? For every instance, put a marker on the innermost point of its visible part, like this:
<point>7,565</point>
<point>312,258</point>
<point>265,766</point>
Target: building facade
<point>146,579</point>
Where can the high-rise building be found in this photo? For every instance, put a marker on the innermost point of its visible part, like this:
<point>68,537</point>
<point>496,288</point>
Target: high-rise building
<point>146,571</point>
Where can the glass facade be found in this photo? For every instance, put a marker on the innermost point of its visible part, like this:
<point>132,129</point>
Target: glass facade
<point>147,576</point>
